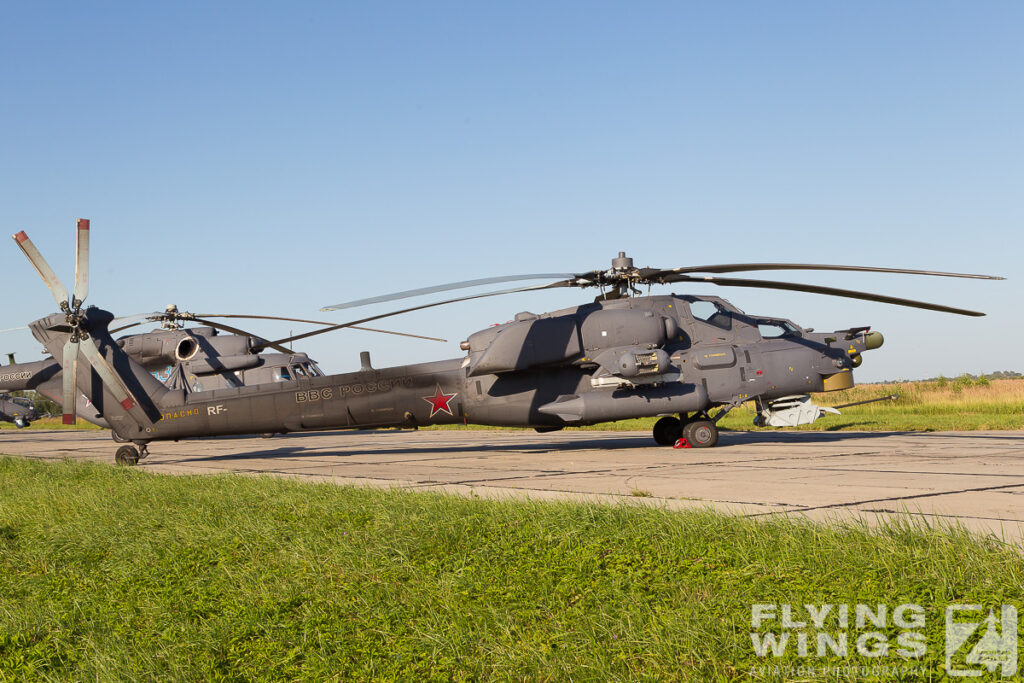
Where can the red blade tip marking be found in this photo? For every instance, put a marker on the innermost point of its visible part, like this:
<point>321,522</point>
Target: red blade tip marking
<point>21,237</point>
<point>127,404</point>
<point>69,419</point>
<point>83,223</point>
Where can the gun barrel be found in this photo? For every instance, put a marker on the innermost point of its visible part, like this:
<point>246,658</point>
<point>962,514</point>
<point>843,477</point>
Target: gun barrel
<point>891,397</point>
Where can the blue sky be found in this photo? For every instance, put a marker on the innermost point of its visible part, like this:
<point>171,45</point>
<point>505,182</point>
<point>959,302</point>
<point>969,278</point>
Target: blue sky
<point>276,158</point>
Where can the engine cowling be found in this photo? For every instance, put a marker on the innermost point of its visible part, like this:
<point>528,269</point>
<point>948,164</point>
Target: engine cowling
<point>532,341</point>
<point>159,349</point>
<point>522,344</point>
<point>612,328</point>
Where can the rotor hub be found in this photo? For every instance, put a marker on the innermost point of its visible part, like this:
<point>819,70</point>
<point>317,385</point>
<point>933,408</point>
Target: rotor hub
<point>171,317</point>
<point>74,318</point>
<point>622,262</point>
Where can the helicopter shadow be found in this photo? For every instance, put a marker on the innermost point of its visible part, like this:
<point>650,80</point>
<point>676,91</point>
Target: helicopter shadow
<point>611,443</point>
<point>830,436</point>
<point>299,451</point>
<point>834,435</point>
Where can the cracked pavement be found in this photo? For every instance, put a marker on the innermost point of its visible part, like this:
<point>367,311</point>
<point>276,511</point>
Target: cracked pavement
<point>974,479</point>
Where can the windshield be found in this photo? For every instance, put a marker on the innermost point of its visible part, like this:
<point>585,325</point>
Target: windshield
<point>773,329</point>
<point>711,313</point>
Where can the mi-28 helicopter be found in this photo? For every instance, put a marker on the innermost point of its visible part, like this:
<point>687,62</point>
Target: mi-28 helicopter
<point>191,359</point>
<point>622,356</point>
<point>188,359</point>
<point>17,409</point>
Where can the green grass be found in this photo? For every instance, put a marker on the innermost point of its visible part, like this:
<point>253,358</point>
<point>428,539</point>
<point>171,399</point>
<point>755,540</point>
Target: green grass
<point>52,423</point>
<point>117,574</point>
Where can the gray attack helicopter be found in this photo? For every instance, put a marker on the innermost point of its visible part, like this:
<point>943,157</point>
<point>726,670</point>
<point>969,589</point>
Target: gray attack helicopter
<point>188,359</point>
<point>17,409</point>
<point>622,356</point>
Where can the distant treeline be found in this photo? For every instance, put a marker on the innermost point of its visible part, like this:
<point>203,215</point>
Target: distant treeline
<point>964,378</point>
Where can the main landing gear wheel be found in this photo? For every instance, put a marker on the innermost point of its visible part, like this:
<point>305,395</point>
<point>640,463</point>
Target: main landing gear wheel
<point>701,433</point>
<point>667,431</point>
<point>127,455</point>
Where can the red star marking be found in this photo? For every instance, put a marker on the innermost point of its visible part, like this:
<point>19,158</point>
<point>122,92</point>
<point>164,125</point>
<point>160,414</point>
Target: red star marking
<point>439,402</point>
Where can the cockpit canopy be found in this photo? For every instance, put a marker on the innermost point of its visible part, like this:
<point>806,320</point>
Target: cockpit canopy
<point>297,369</point>
<point>723,316</point>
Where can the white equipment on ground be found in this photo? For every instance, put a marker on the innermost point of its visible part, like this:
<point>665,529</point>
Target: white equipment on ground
<point>791,411</point>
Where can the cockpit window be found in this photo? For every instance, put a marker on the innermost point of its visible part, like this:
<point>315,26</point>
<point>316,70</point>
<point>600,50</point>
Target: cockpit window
<point>314,371</point>
<point>770,330</point>
<point>282,375</point>
<point>299,371</point>
<point>711,313</point>
<point>773,329</point>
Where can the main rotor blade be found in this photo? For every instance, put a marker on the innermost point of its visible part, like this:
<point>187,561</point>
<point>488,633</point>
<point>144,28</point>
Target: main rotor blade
<point>69,371</point>
<point>250,334</point>
<point>57,289</point>
<point>234,330</point>
<point>107,375</point>
<point>444,288</point>
<point>82,260</point>
<point>400,334</point>
<point>141,318</point>
<point>353,323</point>
<point>261,317</point>
<point>817,289</point>
<point>315,322</point>
<point>655,274</point>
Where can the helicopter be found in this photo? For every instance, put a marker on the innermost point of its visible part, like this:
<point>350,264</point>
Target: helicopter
<point>622,356</point>
<point>191,359</point>
<point>17,409</point>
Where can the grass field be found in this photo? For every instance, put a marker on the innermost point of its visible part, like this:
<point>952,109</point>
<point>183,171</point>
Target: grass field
<point>52,423</point>
<point>114,574</point>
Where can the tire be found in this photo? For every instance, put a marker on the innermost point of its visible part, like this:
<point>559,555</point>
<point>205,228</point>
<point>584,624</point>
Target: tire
<point>667,431</point>
<point>127,456</point>
<point>701,433</point>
